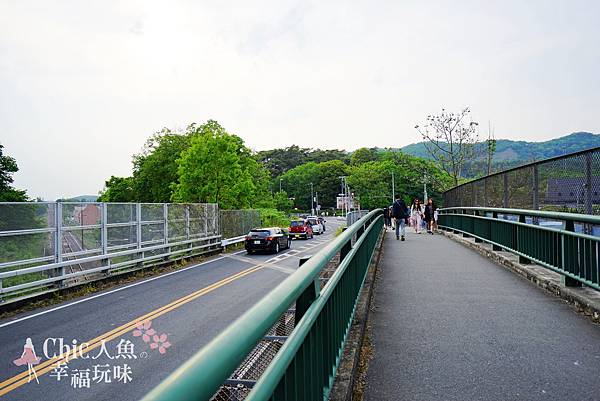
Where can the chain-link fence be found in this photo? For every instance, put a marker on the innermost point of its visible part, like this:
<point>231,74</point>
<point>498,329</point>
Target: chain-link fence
<point>569,183</point>
<point>235,223</point>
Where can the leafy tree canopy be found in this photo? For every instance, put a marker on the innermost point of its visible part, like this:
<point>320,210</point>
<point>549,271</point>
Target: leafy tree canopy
<point>279,161</point>
<point>218,168</point>
<point>364,155</point>
<point>155,169</point>
<point>118,189</point>
<point>8,166</point>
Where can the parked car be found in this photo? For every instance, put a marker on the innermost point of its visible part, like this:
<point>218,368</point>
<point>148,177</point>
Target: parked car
<point>317,227</point>
<point>300,229</point>
<point>271,239</point>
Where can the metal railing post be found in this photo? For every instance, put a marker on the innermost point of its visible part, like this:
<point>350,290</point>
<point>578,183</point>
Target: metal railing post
<point>505,183</point>
<point>588,184</point>
<point>165,223</point>
<point>569,254</point>
<point>187,221</point>
<point>485,192</point>
<point>588,229</point>
<point>205,220</point>
<point>494,247</point>
<point>59,258</point>
<point>103,229</point>
<point>523,240</point>
<point>308,295</point>
<point>536,188</point>
<point>138,230</point>
<point>57,232</point>
<point>166,228</point>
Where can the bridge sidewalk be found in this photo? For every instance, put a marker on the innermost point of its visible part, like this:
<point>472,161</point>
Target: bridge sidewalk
<point>449,324</point>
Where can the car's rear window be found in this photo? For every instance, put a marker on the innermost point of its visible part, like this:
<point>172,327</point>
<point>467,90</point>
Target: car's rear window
<point>313,221</point>
<point>260,233</point>
<point>296,223</point>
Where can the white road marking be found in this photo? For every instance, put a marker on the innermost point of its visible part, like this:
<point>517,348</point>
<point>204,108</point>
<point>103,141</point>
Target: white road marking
<point>113,291</point>
<point>140,283</point>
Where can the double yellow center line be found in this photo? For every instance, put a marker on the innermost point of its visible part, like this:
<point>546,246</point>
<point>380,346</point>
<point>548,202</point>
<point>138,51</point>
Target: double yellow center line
<point>47,366</point>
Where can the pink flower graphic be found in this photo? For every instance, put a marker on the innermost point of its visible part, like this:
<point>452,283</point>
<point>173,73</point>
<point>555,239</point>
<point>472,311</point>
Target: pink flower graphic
<point>161,343</point>
<point>143,329</point>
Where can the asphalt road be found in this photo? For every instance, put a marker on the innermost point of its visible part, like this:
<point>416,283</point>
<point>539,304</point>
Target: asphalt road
<point>190,306</point>
<point>451,325</point>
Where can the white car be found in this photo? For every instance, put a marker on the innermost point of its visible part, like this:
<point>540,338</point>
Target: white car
<point>316,226</point>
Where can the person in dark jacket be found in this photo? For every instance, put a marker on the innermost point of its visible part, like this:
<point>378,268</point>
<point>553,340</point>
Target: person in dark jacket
<point>400,213</point>
<point>387,217</point>
<point>429,215</point>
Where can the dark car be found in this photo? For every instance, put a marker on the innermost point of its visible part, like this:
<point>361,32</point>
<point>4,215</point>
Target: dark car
<point>266,239</point>
<point>300,229</point>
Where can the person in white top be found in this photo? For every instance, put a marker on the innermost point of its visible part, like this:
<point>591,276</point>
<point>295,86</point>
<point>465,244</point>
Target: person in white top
<point>416,214</point>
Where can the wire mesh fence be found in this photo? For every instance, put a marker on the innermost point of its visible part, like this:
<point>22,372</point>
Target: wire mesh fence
<point>569,183</point>
<point>241,381</point>
<point>235,223</point>
<point>45,246</point>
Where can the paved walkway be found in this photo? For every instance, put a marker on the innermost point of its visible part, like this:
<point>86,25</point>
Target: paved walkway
<point>451,325</point>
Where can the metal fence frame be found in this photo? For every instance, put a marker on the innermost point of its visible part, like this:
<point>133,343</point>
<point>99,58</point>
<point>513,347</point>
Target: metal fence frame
<point>560,246</point>
<point>522,187</point>
<point>305,366</point>
<point>195,229</point>
<point>354,216</point>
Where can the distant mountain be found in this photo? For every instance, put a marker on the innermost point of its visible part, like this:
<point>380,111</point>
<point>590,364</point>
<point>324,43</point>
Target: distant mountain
<point>80,198</point>
<point>518,152</point>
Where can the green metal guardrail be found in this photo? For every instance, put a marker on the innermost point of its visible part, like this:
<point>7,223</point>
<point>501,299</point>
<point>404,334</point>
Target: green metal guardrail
<point>574,255</point>
<point>305,366</point>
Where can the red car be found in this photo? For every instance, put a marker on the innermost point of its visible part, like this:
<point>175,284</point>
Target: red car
<point>300,229</point>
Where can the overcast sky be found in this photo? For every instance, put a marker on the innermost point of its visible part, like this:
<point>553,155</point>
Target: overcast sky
<point>84,83</point>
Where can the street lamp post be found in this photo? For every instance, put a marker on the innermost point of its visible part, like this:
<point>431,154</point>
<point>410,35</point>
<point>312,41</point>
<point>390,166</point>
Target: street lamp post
<point>312,200</point>
<point>280,181</point>
<point>393,188</point>
<point>344,194</point>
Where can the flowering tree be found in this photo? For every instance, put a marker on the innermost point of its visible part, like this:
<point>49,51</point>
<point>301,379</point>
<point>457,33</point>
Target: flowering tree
<point>450,139</point>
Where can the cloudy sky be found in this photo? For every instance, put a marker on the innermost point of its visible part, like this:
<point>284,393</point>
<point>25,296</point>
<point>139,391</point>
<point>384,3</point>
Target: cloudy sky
<point>84,83</point>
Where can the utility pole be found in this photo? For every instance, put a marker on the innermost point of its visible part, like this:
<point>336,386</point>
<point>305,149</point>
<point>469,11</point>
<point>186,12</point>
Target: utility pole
<point>393,188</point>
<point>280,180</point>
<point>344,194</point>
<point>312,200</point>
<point>424,187</point>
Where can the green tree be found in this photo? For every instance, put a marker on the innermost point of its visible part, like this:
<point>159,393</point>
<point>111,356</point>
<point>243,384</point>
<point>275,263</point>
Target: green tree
<point>278,161</point>
<point>328,181</point>
<point>282,202</point>
<point>372,181</point>
<point>320,156</point>
<point>8,166</point>
<point>297,183</point>
<point>363,155</point>
<point>218,168</point>
<point>118,189</point>
<point>155,169</point>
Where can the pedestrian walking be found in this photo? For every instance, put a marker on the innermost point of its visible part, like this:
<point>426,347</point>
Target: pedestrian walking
<point>416,214</point>
<point>430,210</point>
<point>387,217</point>
<point>400,213</point>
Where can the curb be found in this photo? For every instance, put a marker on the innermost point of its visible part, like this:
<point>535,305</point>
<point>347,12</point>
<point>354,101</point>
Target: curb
<point>345,378</point>
<point>584,299</point>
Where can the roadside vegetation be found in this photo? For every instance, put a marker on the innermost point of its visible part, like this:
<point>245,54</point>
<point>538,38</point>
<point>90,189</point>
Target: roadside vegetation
<point>205,163</point>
